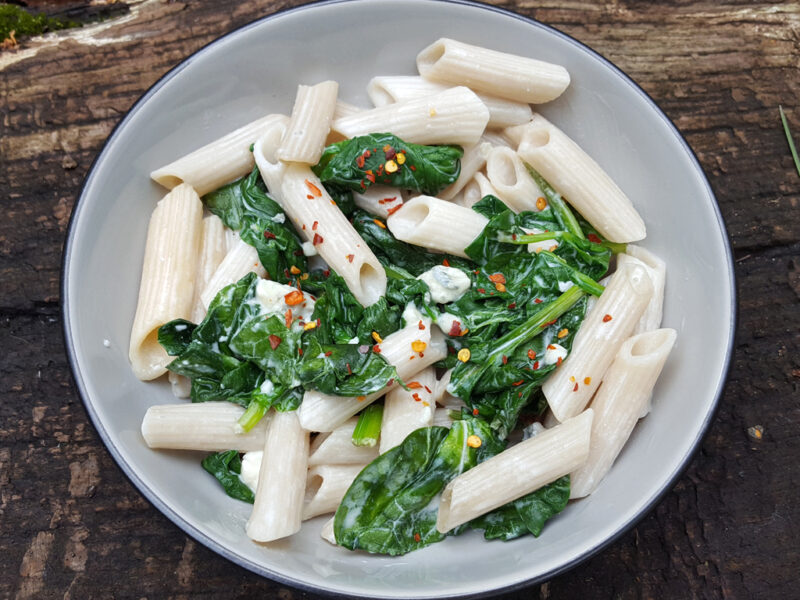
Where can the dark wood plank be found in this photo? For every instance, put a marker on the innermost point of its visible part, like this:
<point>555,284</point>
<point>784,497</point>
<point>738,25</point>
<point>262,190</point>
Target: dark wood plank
<point>71,526</point>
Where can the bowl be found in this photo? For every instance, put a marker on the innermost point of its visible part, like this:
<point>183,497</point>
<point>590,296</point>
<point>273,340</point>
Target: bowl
<point>254,71</point>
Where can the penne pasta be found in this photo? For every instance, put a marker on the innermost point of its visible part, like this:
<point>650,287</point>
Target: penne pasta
<point>407,410</point>
<point>503,75</point>
<point>517,471</point>
<point>208,426</point>
<point>625,392</point>
<point>167,286</point>
<point>217,163</point>
<point>337,448</point>
<point>577,177</point>
<point>436,224</point>
<point>238,262</point>
<point>473,160</point>
<point>511,181</point>
<point>383,90</point>
<point>612,319</point>
<point>321,412</point>
<point>278,515</point>
<point>455,116</point>
<point>379,200</point>
<point>213,249</point>
<point>326,486</point>
<point>657,270</point>
<point>309,124</point>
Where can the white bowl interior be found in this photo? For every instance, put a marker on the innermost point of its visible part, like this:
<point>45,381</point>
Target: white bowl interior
<point>255,71</point>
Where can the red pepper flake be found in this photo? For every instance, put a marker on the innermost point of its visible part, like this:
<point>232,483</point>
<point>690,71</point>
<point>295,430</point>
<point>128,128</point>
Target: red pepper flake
<point>587,381</point>
<point>575,389</point>
<point>505,359</point>
<point>269,235</point>
<point>300,351</point>
<point>371,177</point>
<point>607,318</point>
<point>379,223</point>
<point>519,395</point>
<point>551,347</point>
<point>537,301</point>
<point>531,354</point>
<point>497,278</point>
<point>367,153</point>
<point>274,341</point>
<point>518,383</point>
<point>412,357</point>
<point>414,385</point>
<point>328,353</point>
<point>363,185</point>
<point>394,209</point>
<point>475,412</point>
<point>387,200</point>
<point>288,318</point>
<point>512,306</point>
<point>559,361</point>
<point>390,152</point>
<point>360,161</point>
<point>317,239</point>
<point>314,189</point>
<point>293,298</point>
<point>455,329</point>
<point>326,273</point>
<point>481,291</point>
<point>412,167</point>
<point>548,323</point>
<point>376,349</point>
<point>304,226</point>
<point>416,397</point>
<point>446,262</point>
<point>390,383</point>
<point>536,365</point>
<point>593,238</point>
<point>314,226</point>
<point>421,325</point>
<point>514,236</point>
<point>350,257</point>
<point>417,538</point>
<point>477,272</point>
<point>349,370</point>
<point>427,389</point>
<point>309,196</point>
<point>318,322</point>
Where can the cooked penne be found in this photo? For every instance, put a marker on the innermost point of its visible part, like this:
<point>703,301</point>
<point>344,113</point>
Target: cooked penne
<point>278,515</point>
<point>513,184</point>
<point>326,533</point>
<point>610,322</point>
<point>316,217</point>
<point>407,410</point>
<point>436,224</point>
<point>577,177</point>
<point>517,471</point>
<point>337,448</point>
<point>379,200</point>
<point>167,284</point>
<point>238,262</point>
<point>209,426</point>
<point>217,163</point>
<point>455,116</point>
<point>213,249</point>
<point>326,486</point>
<point>657,270</point>
<point>321,412</point>
<point>309,124</point>
<point>383,90</point>
<point>503,75</point>
<point>473,160</point>
<point>626,389</point>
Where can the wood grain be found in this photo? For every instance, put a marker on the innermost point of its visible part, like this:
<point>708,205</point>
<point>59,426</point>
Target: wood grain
<point>72,526</point>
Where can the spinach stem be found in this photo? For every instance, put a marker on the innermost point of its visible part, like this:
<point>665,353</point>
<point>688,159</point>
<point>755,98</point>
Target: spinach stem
<point>368,428</point>
<point>252,415</point>
<point>564,215</point>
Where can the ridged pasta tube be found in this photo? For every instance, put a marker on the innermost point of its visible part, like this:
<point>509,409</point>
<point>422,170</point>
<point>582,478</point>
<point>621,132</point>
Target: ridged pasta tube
<point>326,485</point>
<point>407,410</point>
<point>511,180</point>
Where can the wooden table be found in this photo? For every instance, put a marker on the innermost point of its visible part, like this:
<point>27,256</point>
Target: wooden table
<point>72,526</point>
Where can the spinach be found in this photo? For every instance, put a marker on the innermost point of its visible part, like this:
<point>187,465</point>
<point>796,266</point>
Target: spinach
<point>524,515</point>
<point>226,466</point>
<point>244,206</point>
<point>392,505</point>
<point>359,162</point>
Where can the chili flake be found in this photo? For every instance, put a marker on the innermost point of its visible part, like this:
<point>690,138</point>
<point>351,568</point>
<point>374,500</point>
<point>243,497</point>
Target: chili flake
<point>537,301</point>
<point>293,298</point>
<point>536,365</point>
<point>269,235</point>
<point>541,203</point>
<point>370,176</point>
<point>349,370</point>
<point>481,291</point>
<point>446,262</point>
<point>575,389</point>
<point>417,538</point>
<point>393,210</point>
<point>593,238</point>
<point>500,287</point>
<point>518,383</point>
<point>559,361</point>
<point>548,323</point>
<point>512,306</point>
<point>464,354</point>
<point>474,441</point>
<point>587,381</point>
<point>361,398</point>
<point>531,354</point>
<point>475,412</point>
<point>379,223</point>
<point>414,385</point>
<point>607,318</point>
<point>318,239</point>
<point>300,351</point>
<point>455,329</point>
<point>421,325</point>
<point>505,359</point>
<point>314,189</point>
<point>427,389</point>
<point>314,226</point>
<point>418,346</point>
<point>274,341</point>
<point>294,270</point>
<point>497,278</point>
<point>376,337</point>
<point>416,397</point>
<point>328,353</point>
<point>360,161</point>
<point>563,333</point>
<point>350,257</point>
<point>387,200</point>
<point>376,349</point>
<point>288,318</point>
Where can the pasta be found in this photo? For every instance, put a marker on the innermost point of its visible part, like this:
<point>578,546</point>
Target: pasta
<point>364,304</point>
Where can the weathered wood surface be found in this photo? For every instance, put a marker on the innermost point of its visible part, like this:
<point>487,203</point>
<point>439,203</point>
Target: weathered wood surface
<point>71,526</point>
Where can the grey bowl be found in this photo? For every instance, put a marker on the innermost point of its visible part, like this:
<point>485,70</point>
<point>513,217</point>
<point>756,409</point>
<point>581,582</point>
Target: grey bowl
<point>255,70</point>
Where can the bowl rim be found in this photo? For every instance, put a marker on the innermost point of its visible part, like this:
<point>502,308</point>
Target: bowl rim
<point>130,471</point>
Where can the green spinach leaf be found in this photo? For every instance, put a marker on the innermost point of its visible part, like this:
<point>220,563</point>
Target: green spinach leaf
<point>226,466</point>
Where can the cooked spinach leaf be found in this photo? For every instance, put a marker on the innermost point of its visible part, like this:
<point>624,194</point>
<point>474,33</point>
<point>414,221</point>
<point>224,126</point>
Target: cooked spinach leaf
<point>226,466</point>
<point>359,162</point>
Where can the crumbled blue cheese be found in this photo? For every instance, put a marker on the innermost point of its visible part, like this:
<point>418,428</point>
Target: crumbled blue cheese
<point>412,315</point>
<point>309,249</point>
<point>446,284</point>
<point>532,430</point>
<point>445,322</point>
<point>279,218</point>
<point>553,353</point>
<point>251,466</point>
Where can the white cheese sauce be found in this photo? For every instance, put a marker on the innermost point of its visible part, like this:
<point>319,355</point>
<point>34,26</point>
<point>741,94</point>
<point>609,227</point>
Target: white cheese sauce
<point>446,284</point>
<point>251,465</point>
